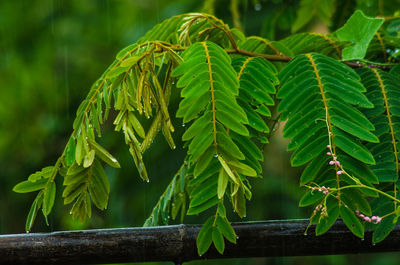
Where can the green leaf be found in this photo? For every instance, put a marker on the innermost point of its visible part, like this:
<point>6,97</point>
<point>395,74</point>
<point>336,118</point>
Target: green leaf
<point>353,129</point>
<point>28,186</point>
<point>312,169</point>
<point>117,71</point>
<point>218,240</point>
<point>354,149</point>
<point>332,215</point>
<point>222,183</point>
<point>204,238</point>
<point>226,229</point>
<point>79,150</point>
<point>310,197</point>
<point>70,152</point>
<point>49,197</point>
<point>351,221</point>
<point>30,219</point>
<point>201,208</point>
<point>310,151</point>
<point>104,155</point>
<point>383,229</point>
<point>359,201</point>
<point>128,62</point>
<point>46,173</point>
<point>242,168</point>
<point>232,123</point>
<point>228,170</point>
<point>89,158</point>
<point>359,31</point>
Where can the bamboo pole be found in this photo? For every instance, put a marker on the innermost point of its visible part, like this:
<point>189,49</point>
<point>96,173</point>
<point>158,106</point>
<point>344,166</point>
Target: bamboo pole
<point>177,243</point>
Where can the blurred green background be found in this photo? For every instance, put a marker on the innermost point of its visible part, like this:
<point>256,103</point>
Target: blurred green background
<point>51,51</point>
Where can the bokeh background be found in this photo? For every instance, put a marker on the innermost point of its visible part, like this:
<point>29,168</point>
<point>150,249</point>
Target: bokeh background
<point>51,51</point>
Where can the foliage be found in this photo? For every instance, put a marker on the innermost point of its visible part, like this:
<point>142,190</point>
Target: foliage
<point>343,123</point>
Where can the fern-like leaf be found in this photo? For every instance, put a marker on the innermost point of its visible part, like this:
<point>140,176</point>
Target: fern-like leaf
<point>257,80</point>
<point>384,91</point>
<point>313,42</point>
<point>319,98</point>
<point>210,87</point>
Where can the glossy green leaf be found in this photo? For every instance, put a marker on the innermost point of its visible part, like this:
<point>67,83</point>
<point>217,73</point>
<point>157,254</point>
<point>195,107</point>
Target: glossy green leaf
<point>89,158</point>
<point>383,229</point>
<point>30,219</point>
<point>70,152</point>
<point>49,197</point>
<point>222,183</point>
<point>28,186</point>
<point>354,149</point>
<point>332,215</point>
<point>218,240</point>
<point>104,155</point>
<point>204,238</point>
<point>226,229</point>
<point>351,221</point>
<point>353,129</point>
<point>359,31</point>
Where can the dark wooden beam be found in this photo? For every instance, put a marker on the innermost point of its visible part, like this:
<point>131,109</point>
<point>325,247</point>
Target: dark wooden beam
<point>178,243</point>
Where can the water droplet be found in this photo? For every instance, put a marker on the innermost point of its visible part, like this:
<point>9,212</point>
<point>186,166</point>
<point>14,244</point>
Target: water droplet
<point>374,244</point>
<point>362,239</point>
<point>183,125</point>
<point>147,180</point>
<point>257,7</point>
<point>174,147</point>
<point>216,155</point>
<point>305,233</point>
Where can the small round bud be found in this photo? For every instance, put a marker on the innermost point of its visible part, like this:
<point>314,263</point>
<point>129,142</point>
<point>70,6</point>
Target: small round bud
<point>339,172</point>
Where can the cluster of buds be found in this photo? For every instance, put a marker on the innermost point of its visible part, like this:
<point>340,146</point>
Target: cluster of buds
<point>334,160</point>
<point>372,219</point>
<point>322,189</point>
<point>321,208</point>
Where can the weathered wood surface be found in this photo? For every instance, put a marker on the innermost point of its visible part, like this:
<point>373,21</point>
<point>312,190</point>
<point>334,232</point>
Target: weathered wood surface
<point>178,243</point>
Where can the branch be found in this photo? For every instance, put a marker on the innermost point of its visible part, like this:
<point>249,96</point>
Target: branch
<point>284,58</point>
<point>178,243</point>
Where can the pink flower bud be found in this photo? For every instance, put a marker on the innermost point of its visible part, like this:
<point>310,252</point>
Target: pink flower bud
<point>378,220</point>
<point>331,162</point>
<point>319,189</point>
<point>323,187</point>
<point>329,153</point>
<point>328,146</point>
<point>373,218</point>
<point>339,172</point>
<point>357,212</point>
<point>362,216</point>
<point>367,219</point>
<point>337,163</point>
<point>325,192</point>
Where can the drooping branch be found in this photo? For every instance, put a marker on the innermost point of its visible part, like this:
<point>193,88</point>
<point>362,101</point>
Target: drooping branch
<point>178,243</point>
